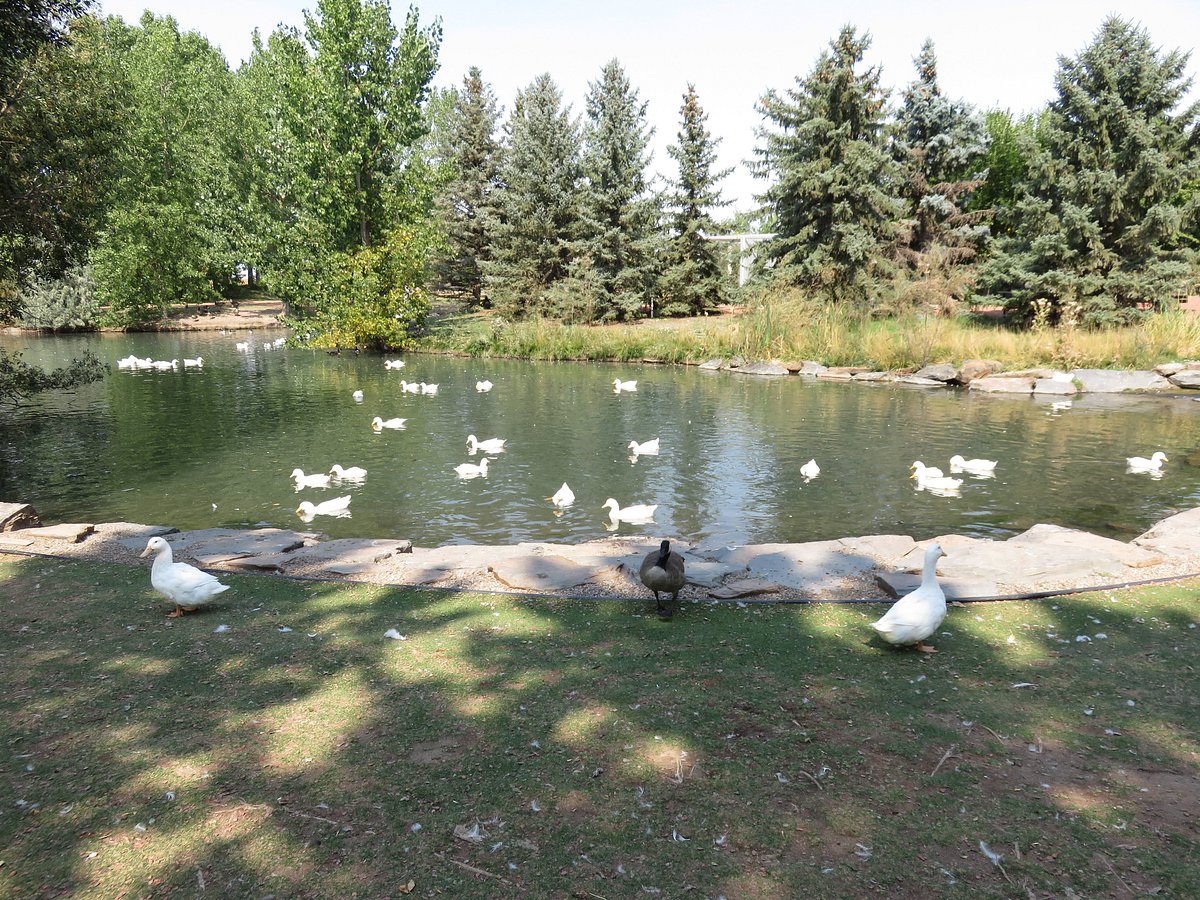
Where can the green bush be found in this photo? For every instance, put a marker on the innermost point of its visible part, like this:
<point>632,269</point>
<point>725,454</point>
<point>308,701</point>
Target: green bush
<point>68,303</point>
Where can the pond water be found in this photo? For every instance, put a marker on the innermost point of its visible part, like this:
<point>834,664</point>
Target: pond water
<point>215,446</point>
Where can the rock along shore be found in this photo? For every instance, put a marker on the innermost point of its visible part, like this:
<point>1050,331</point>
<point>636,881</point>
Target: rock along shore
<point>880,567</point>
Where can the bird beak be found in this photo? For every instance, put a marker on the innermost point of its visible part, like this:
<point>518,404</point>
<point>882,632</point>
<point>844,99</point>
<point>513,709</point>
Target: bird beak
<point>145,552</point>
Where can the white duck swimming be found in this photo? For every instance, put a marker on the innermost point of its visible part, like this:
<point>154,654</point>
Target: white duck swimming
<point>470,470</point>
<point>491,445</point>
<point>635,514</point>
<point>942,485</point>
<point>393,364</point>
<point>916,615</point>
<point>619,385</point>
<point>974,466</point>
<point>358,396</point>
<point>920,470</point>
<point>317,479</point>
<point>409,387</point>
<point>483,386</point>
<point>428,388</point>
<point>646,448</point>
<point>352,473</point>
<point>197,363</point>
<point>564,496</point>
<point>1141,464</point>
<point>184,585</point>
<point>338,507</point>
<point>379,424</point>
<point>810,470</point>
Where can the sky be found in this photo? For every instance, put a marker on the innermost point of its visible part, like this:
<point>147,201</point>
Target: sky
<point>1001,54</point>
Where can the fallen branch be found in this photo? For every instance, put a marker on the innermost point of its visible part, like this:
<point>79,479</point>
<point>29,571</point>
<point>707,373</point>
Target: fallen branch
<point>812,779</point>
<point>945,756</point>
<point>471,868</point>
<point>1114,873</point>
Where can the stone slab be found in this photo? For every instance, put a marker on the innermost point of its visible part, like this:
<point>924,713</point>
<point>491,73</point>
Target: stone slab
<point>217,545</point>
<point>10,539</point>
<point>831,375</point>
<point>18,515</point>
<point>811,368</point>
<point>763,368</point>
<point>1111,381</point>
<point>542,573</point>
<point>814,566</point>
<point>1189,379</point>
<point>71,532</point>
<point>1178,535</point>
<point>744,587</point>
<point>977,368</point>
<point>711,364</point>
<point>872,376</point>
<point>897,584</point>
<point>1004,384</point>
<point>938,372</point>
<point>921,381</point>
<point>1100,547</point>
<point>1054,386</point>
<point>116,531</point>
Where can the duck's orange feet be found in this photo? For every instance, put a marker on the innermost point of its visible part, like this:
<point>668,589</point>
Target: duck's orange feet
<point>177,613</point>
<point>925,648</point>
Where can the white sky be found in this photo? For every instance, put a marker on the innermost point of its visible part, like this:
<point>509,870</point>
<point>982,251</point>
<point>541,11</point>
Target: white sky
<point>996,54</point>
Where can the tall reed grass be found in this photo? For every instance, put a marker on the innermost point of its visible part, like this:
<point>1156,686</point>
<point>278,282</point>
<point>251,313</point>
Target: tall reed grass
<point>791,328</point>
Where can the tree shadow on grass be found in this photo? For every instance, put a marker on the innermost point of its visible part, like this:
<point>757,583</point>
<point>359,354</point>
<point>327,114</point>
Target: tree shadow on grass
<point>585,748</point>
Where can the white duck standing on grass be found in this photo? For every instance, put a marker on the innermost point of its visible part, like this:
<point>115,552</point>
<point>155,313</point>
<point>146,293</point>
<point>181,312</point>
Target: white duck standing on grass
<point>378,424</point>
<point>810,470</point>
<point>183,584</point>
<point>491,445</point>
<point>338,507</point>
<point>470,470</point>
<point>1141,464</point>
<point>317,479</point>
<point>351,473</point>
<point>916,615</point>
<point>563,497</point>
<point>636,514</point>
<point>984,467</point>
<point>619,385</point>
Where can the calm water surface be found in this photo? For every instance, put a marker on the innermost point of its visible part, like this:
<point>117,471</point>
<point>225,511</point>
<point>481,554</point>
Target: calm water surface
<point>165,447</point>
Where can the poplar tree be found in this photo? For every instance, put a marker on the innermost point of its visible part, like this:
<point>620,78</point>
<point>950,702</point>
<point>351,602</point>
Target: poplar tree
<point>693,281</point>
<point>940,145</point>
<point>1102,225</point>
<point>833,192</point>
<point>472,149</point>
<point>533,246</point>
<point>619,213</point>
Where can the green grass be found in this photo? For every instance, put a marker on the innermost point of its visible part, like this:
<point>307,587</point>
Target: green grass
<point>747,752</point>
<point>790,329</point>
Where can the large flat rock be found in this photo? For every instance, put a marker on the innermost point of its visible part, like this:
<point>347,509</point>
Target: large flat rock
<point>816,567</point>
<point>212,546</point>
<point>18,515</point>
<point>1113,381</point>
<point>1004,384</point>
<point>897,584</point>
<point>1178,535</point>
<point>542,573</point>
<point>71,532</point>
<point>1189,379</point>
<point>763,368</point>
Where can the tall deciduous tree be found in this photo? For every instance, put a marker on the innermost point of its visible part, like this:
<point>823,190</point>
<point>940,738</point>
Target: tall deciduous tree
<point>692,281</point>
<point>619,212</point>
<point>1101,226</point>
<point>469,201</point>
<point>833,196</point>
<point>940,145</point>
<point>539,203</point>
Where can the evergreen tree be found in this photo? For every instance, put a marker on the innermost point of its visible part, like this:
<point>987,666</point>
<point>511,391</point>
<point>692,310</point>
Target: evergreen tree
<point>833,199</point>
<point>693,282</point>
<point>539,202</point>
<point>472,149</point>
<point>1100,228</point>
<point>619,215</point>
<point>940,145</point>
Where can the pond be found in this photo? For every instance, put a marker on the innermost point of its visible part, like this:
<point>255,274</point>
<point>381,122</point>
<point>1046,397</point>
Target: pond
<point>215,446</point>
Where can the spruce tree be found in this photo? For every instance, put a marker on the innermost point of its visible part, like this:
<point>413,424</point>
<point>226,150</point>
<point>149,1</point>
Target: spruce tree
<point>1101,228</point>
<point>619,213</point>
<point>833,196</point>
<point>538,203</point>
<point>472,149</point>
<point>693,282</point>
<point>940,145</point>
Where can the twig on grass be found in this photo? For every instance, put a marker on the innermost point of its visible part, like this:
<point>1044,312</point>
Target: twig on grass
<point>471,868</point>
<point>945,756</point>
<point>811,778</point>
<point>1114,873</point>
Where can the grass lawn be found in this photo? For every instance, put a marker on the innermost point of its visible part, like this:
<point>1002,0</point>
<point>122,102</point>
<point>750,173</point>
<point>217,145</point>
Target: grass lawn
<point>535,748</point>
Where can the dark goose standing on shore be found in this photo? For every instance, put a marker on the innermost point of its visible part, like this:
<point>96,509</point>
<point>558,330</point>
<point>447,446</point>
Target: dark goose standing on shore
<point>662,571</point>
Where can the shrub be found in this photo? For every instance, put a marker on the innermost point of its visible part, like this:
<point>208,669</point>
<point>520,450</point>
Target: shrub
<point>68,303</point>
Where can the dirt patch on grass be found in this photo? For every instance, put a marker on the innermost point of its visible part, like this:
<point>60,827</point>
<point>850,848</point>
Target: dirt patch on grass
<point>448,748</point>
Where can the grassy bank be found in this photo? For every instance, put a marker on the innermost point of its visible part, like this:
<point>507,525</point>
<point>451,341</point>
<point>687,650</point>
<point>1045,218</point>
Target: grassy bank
<point>798,331</point>
<point>587,749</point>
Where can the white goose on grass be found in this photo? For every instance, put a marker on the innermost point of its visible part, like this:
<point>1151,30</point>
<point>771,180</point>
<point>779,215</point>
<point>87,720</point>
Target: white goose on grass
<point>470,470</point>
<point>564,496</point>
<point>378,424</point>
<point>646,448</point>
<point>916,615</point>
<point>183,584</point>
<point>636,514</point>
<point>973,466</point>
<point>317,479</point>
<point>338,507</point>
<point>619,385</point>
<point>350,473</point>
<point>491,445</point>
<point>1141,464</point>
<point>810,470</point>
